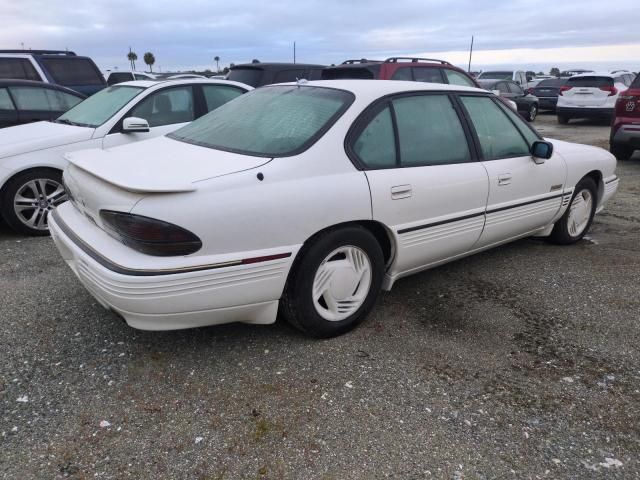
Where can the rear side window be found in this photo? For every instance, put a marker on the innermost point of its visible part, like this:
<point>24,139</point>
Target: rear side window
<point>61,101</point>
<point>403,73</point>
<point>250,76</point>
<point>72,71</point>
<point>429,131</point>
<point>457,78</point>
<point>375,146</point>
<point>515,88</point>
<point>5,100</point>
<point>590,82</point>
<point>349,73</point>
<point>20,68</point>
<point>119,77</point>
<point>217,95</point>
<point>499,138</point>
<point>429,75</point>
<point>173,105</point>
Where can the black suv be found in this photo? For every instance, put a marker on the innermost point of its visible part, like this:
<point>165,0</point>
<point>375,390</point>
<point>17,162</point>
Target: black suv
<point>259,74</point>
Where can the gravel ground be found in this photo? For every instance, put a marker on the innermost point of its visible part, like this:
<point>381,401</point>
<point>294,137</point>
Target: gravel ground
<point>521,362</point>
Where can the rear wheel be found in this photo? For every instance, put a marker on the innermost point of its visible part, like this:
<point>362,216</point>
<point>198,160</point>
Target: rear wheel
<point>563,119</point>
<point>621,152</point>
<point>533,112</point>
<point>576,221</point>
<point>29,197</point>
<point>335,282</point>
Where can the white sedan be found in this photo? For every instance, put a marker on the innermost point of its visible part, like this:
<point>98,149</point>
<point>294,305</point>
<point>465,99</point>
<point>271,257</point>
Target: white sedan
<point>31,156</point>
<point>311,198</point>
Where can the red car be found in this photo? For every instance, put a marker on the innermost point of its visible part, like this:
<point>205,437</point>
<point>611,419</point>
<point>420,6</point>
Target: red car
<point>625,129</point>
<point>401,68</point>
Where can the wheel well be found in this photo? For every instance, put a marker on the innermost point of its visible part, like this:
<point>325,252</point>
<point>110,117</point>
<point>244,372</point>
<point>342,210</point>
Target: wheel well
<point>596,176</point>
<point>22,172</point>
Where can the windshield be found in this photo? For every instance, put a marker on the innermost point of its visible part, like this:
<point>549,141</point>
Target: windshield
<point>269,122</point>
<point>100,107</point>
<point>496,75</point>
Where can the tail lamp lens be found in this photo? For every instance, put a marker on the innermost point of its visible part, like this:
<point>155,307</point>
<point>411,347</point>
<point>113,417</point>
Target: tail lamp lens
<point>612,90</point>
<point>149,235</point>
<point>564,88</point>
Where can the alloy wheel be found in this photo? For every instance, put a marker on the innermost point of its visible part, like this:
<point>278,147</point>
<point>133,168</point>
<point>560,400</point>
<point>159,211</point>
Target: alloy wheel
<point>35,199</point>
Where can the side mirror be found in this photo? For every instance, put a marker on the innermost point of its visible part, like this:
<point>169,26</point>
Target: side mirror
<point>541,151</point>
<point>135,125</point>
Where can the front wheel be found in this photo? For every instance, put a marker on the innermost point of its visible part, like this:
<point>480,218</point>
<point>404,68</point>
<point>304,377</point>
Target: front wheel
<point>29,197</point>
<point>576,221</point>
<point>334,283</point>
<point>533,113</point>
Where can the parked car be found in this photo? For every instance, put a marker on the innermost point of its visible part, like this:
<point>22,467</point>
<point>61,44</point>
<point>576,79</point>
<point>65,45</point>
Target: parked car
<point>526,104</point>
<point>589,96</point>
<point>26,101</point>
<point>625,129</point>
<point>309,198</point>
<point>52,66</point>
<point>259,74</point>
<point>120,77</point>
<point>400,68</point>
<point>547,92</point>
<point>518,76</point>
<point>31,156</point>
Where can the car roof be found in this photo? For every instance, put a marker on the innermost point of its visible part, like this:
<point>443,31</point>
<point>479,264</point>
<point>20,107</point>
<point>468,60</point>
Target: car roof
<point>16,82</point>
<point>183,81</point>
<point>372,89</point>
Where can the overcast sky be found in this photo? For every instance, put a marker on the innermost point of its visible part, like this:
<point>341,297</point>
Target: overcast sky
<point>187,34</point>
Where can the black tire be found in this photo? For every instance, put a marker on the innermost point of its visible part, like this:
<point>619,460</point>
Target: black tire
<point>17,221</point>
<point>561,234</point>
<point>532,113</point>
<point>563,119</point>
<point>621,152</point>
<point>297,303</point>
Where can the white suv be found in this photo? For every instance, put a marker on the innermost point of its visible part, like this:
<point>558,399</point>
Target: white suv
<point>591,95</point>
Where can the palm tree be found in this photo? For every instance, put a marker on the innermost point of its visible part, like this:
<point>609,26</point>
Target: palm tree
<point>217,59</point>
<point>132,57</point>
<point>149,59</point>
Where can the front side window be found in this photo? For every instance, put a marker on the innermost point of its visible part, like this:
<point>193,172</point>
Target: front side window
<point>5,100</point>
<point>269,122</point>
<point>525,129</point>
<point>20,68</point>
<point>71,71</point>
<point>375,146</point>
<point>457,78</point>
<point>515,88</point>
<point>217,95</point>
<point>403,73</point>
<point>498,136</point>
<point>429,131</point>
<point>101,106</point>
<point>166,107</point>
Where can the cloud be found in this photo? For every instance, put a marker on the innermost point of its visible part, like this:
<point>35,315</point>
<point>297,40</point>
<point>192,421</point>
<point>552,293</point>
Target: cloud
<point>190,33</point>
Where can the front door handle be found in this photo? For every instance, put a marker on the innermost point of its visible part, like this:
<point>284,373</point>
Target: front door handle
<point>504,179</point>
<point>400,191</point>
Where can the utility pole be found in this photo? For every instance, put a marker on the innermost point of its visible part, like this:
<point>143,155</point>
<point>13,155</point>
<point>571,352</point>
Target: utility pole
<point>470,54</point>
<point>294,52</point>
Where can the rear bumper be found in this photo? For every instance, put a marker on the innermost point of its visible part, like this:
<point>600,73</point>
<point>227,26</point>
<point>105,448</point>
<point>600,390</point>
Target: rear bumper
<point>585,112</point>
<point>627,135</point>
<point>170,301</point>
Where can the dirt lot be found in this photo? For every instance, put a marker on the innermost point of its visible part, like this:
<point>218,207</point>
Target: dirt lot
<point>522,362</point>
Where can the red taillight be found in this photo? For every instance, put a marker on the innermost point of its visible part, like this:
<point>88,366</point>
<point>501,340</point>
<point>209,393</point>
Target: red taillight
<point>149,235</point>
<point>612,90</point>
<point>564,88</point>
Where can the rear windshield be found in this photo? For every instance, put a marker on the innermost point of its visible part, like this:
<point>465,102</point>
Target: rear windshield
<point>554,82</point>
<point>590,81</point>
<point>497,75</point>
<point>359,73</point>
<point>249,76</point>
<point>100,107</point>
<point>72,71</point>
<point>636,82</point>
<point>273,121</point>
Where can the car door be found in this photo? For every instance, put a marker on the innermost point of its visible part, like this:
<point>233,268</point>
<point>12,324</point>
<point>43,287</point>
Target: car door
<point>165,110</point>
<point>426,185</point>
<point>524,194</point>
<point>8,112</point>
<point>33,103</point>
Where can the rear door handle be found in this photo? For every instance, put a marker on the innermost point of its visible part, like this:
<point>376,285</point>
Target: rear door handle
<point>504,179</point>
<point>400,191</point>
